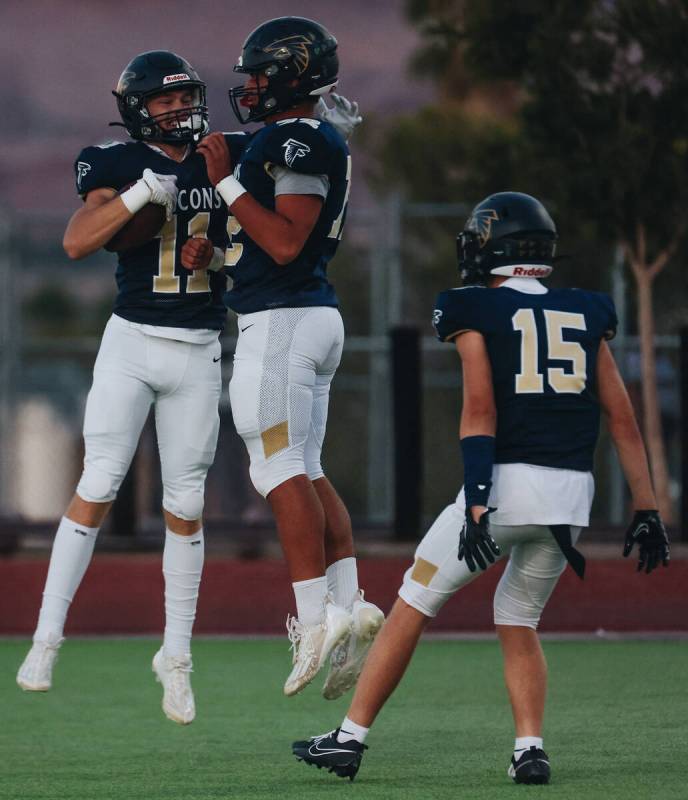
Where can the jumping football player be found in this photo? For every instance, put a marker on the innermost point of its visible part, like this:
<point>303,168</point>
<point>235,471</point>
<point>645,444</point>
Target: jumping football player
<point>537,370</point>
<point>160,348</point>
<point>289,194</point>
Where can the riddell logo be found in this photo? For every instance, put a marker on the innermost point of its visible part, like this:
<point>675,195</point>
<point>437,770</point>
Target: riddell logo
<point>182,76</point>
<point>531,272</point>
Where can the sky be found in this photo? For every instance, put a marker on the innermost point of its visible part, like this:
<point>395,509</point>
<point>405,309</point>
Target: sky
<point>64,58</point>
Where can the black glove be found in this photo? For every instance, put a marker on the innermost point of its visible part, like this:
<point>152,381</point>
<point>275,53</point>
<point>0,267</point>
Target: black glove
<point>647,529</point>
<point>475,541</point>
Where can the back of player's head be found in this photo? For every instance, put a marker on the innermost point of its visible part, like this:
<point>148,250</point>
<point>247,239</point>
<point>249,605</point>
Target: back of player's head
<point>296,60</point>
<point>153,73</point>
<point>508,233</point>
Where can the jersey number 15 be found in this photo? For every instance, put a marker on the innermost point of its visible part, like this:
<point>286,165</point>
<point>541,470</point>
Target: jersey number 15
<point>529,380</point>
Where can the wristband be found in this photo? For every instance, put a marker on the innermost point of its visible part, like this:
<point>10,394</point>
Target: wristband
<point>137,196</point>
<point>217,261</point>
<point>230,189</point>
<point>478,458</point>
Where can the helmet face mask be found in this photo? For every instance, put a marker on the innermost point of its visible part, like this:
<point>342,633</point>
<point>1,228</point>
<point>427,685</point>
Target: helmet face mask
<point>152,75</point>
<point>510,234</point>
<point>292,60</point>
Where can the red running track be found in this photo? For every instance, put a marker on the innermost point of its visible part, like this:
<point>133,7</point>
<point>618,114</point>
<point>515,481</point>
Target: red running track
<point>124,595</point>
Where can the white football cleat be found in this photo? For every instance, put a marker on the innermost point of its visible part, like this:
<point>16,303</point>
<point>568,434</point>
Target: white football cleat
<point>348,658</point>
<point>312,645</point>
<point>178,699</point>
<point>36,672</point>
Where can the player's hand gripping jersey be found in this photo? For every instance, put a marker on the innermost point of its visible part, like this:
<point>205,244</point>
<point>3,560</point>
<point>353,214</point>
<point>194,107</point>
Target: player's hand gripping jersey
<point>543,353</point>
<point>292,156</point>
<point>154,287</point>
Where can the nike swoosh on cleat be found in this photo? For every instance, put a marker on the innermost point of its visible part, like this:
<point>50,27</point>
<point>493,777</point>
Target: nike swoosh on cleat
<point>327,752</point>
<point>247,327</point>
<point>215,360</point>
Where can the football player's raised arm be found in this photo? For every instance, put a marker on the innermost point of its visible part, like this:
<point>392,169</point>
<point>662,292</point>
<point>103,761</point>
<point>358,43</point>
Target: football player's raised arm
<point>282,233</point>
<point>95,223</point>
<point>623,429</point>
<point>479,414</point>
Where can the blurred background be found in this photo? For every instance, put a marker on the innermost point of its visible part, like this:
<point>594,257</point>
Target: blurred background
<point>581,104</point>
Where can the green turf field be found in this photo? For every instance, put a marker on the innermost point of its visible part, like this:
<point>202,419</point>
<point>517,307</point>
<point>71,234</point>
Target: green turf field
<point>617,726</point>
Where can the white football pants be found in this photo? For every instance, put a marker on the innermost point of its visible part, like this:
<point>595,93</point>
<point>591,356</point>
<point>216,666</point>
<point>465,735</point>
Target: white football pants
<point>283,367</point>
<point>183,381</point>
<point>535,564</point>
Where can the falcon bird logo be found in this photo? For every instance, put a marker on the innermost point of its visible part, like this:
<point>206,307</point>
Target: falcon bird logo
<point>294,150</point>
<point>481,224</point>
<point>82,168</point>
<point>295,46</point>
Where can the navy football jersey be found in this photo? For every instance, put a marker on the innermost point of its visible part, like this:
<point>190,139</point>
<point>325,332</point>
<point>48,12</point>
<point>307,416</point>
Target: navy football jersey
<point>153,286</point>
<point>543,353</point>
<point>307,146</point>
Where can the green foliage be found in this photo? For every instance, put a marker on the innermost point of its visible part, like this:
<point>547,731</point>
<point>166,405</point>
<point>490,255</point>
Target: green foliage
<point>605,118</point>
<point>442,154</point>
<point>582,104</point>
<point>52,310</point>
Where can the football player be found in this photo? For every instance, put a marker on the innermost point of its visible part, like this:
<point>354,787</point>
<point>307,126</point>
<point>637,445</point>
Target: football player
<point>160,348</point>
<point>288,193</point>
<point>537,371</point>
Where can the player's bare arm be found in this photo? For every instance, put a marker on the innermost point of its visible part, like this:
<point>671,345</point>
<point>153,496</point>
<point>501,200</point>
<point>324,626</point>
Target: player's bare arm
<point>281,233</point>
<point>477,432</point>
<point>479,415</point>
<point>95,223</point>
<point>623,428</point>
<point>105,211</point>
<point>646,529</point>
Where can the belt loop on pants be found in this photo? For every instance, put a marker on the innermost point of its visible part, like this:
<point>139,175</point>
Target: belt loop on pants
<point>562,536</point>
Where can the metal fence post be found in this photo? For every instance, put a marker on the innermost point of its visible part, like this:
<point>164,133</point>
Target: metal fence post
<point>684,433</point>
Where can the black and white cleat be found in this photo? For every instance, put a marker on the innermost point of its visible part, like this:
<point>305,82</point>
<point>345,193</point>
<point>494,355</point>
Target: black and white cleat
<point>531,767</point>
<point>344,759</point>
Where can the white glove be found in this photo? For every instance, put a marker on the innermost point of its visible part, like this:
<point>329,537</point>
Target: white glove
<point>343,115</point>
<point>163,190</point>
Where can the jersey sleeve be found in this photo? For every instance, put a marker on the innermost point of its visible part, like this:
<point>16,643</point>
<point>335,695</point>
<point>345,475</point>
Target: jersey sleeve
<point>289,182</point>
<point>610,319</point>
<point>301,146</point>
<point>97,168</point>
<point>456,311</point>
<point>237,141</point>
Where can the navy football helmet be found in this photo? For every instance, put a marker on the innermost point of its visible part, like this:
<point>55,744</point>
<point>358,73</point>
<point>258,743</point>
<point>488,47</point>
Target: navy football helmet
<point>508,233</point>
<point>298,59</point>
<point>153,73</point>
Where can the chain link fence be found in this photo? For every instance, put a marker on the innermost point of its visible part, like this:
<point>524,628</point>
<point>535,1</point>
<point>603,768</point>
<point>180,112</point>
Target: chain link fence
<point>52,312</point>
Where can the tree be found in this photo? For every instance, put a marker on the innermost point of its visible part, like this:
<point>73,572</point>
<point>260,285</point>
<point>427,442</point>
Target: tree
<point>604,126</point>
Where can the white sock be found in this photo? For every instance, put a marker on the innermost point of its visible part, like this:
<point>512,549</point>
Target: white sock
<point>524,742</point>
<point>71,555</point>
<point>342,582</point>
<point>350,730</point>
<point>310,600</point>
<point>182,564</point>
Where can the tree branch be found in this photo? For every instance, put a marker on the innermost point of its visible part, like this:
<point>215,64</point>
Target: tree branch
<point>665,255</point>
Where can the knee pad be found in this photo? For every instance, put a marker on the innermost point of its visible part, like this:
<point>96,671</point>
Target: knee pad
<point>98,486</point>
<point>520,597</point>
<point>314,470</point>
<point>268,474</point>
<point>185,505</point>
